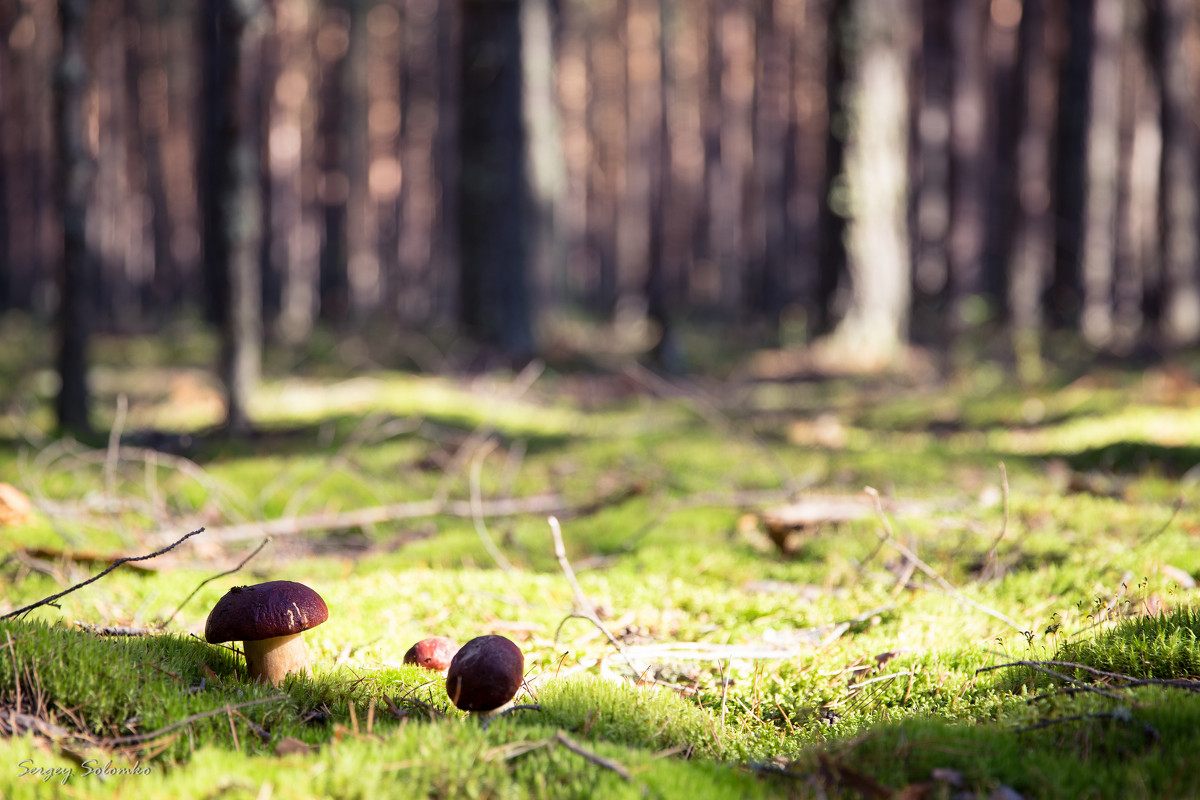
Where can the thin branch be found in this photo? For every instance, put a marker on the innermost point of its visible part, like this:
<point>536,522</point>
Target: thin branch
<point>890,540</point>
<point>585,608</point>
<point>50,600</point>
<point>115,630</point>
<point>599,760</point>
<point>989,563</point>
<point>485,537</point>
<point>417,509</point>
<point>145,737</point>
<point>1078,684</point>
<point>1174,513</point>
<point>1117,716</point>
<point>112,456</point>
<point>202,583</point>
<point>1129,681</point>
<point>521,384</point>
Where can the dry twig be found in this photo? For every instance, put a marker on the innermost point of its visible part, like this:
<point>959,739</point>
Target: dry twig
<point>114,630</point>
<point>597,759</point>
<point>989,563</point>
<point>363,517</point>
<point>889,539</point>
<point>202,583</point>
<point>112,456</point>
<point>49,601</point>
<point>1128,681</point>
<point>585,608</point>
<point>151,735</point>
<point>485,537</point>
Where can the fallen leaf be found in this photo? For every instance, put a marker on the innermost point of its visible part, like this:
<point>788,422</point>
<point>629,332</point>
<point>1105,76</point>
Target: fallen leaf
<point>15,507</point>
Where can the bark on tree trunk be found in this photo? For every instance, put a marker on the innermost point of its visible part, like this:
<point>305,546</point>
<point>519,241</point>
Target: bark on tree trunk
<point>494,302</point>
<point>968,170</point>
<point>875,327</point>
<point>1033,253</point>
<point>831,215</point>
<point>333,43</point>
<point>547,171</point>
<point>1102,187</point>
<point>233,218</point>
<point>1062,299</point>
<point>1180,199</point>
<point>76,169</point>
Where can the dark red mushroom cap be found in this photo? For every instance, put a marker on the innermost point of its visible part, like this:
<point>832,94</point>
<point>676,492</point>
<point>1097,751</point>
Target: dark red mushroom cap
<point>435,653</point>
<point>485,674</point>
<point>264,611</point>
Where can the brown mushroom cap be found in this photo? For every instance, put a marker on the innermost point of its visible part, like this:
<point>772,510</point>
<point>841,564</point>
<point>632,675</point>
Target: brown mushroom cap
<point>434,653</point>
<point>264,611</point>
<point>485,673</point>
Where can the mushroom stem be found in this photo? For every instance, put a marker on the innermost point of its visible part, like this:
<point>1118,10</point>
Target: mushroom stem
<point>272,659</point>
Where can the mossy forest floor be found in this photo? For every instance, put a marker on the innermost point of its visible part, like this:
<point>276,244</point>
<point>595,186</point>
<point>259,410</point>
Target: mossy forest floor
<point>1009,613</point>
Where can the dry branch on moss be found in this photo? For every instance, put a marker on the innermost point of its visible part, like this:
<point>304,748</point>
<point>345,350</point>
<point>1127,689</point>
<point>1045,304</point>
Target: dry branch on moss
<point>550,503</point>
<point>584,608</point>
<point>206,581</point>
<point>1126,681</point>
<point>889,539</point>
<point>49,601</point>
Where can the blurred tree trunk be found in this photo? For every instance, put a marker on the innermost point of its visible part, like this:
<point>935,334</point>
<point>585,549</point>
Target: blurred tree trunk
<point>768,290</point>
<point>663,262</point>
<point>967,230</point>
<point>333,186</point>
<point>232,217</point>
<point>1102,176</point>
<point>494,300</point>
<point>1033,252</point>
<point>932,184</point>
<point>1136,258</point>
<point>162,290</point>
<point>540,23</point>
<point>831,216</point>
<point>876,182</point>
<point>294,255</point>
<point>77,279</point>
<point>1062,299</point>
<point>1180,198</point>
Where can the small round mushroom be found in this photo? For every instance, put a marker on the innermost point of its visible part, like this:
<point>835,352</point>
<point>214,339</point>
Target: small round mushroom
<point>485,675</point>
<point>267,619</point>
<point>434,653</point>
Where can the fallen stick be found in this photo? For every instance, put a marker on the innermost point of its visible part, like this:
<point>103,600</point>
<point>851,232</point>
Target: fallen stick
<point>47,601</point>
<point>145,737</point>
<point>418,509</point>
<point>890,540</point>
<point>202,583</point>
<point>597,759</point>
<point>584,608</point>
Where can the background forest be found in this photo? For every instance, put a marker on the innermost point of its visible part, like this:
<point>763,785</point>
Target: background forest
<point>882,171</point>
<point>808,388</point>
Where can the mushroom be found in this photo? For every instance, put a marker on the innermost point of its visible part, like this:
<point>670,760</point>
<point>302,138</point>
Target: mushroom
<point>485,675</point>
<point>267,619</point>
<point>434,653</point>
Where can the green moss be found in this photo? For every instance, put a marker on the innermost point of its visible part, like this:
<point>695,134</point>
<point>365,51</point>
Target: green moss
<point>874,669</point>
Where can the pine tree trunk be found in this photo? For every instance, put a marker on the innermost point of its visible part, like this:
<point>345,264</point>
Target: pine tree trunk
<point>875,327</point>
<point>232,204</point>
<point>494,301</point>
<point>1102,177</point>
<point>1180,198</point>
<point>77,279</point>
<point>1032,255</point>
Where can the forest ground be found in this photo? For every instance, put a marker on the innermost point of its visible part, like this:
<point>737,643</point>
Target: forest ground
<point>1007,610</point>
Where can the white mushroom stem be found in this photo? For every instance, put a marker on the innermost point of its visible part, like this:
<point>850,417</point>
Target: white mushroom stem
<point>272,659</point>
